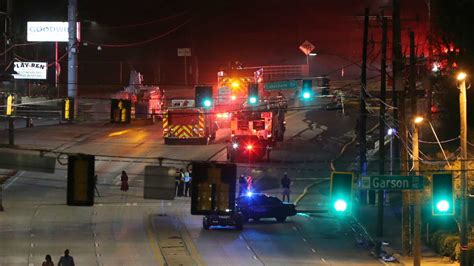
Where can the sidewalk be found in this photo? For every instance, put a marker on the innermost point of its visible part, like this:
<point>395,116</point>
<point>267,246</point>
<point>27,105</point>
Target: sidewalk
<point>367,217</point>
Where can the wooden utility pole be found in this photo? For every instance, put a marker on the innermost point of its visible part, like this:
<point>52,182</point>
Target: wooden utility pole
<point>406,245</point>
<point>363,116</point>
<point>416,166</point>
<point>464,183</point>
<point>383,84</point>
<point>397,82</point>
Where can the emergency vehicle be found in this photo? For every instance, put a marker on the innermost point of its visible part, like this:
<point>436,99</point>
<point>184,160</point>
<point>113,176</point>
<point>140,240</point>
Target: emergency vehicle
<point>183,123</point>
<point>147,101</point>
<point>232,86</point>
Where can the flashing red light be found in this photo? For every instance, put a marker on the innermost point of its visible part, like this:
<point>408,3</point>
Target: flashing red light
<point>249,147</point>
<point>233,97</point>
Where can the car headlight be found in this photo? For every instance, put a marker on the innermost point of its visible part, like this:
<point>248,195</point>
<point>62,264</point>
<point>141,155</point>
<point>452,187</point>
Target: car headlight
<point>235,145</point>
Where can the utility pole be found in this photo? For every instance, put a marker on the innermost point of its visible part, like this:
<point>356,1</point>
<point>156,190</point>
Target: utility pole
<point>397,65</point>
<point>72,53</point>
<point>9,55</point>
<point>416,165</point>
<point>406,229</point>
<point>464,203</point>
<point>383,84</point>
<point>362,120</point>
<point>417,226</point>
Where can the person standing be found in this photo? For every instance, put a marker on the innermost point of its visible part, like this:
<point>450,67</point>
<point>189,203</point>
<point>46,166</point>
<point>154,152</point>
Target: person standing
<point>242,185</point>
<point>66,260</point>
<point>181,183</point>
<point>124,180</point>
<point>48,261</point>
<point>249,183</point>
<point>187,184</point>
<point>285,184</point>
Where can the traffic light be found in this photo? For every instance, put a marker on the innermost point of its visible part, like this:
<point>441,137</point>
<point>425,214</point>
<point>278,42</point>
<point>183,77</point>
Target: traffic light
<point>307,89</point>
<point>80,180</point>
<point>203,96</point>
<point>120,111</point>
<point>341,193</point>
<point>442,194</point>
<point>9,109</point>
<point>252,94</point>
<point>67,109</point>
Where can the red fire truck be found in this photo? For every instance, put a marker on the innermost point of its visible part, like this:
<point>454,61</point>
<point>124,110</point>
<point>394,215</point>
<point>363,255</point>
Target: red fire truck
<point>188,125</point>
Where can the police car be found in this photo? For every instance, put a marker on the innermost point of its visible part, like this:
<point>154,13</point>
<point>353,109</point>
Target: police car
<point>256,206</point>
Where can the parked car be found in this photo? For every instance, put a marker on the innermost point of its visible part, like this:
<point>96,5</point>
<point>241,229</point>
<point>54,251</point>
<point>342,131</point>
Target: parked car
<point>256,206</point>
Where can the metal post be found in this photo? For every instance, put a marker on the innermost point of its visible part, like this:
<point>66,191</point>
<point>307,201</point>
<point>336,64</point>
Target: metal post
<point>56,68</point>
<point>72,54</point>
<point>416,193</point>
<point>1,199</point>
<point>406,229</point>
<point>464,203</point>
<point>11,131</point>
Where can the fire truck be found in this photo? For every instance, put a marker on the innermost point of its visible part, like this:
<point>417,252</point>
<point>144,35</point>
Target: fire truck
<point>231,92</point>
<point>254,131</point>
<point>183,123</point>
<point>147,101</point>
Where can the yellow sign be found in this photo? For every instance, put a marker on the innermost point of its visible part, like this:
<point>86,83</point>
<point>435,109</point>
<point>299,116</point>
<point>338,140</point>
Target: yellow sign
<point>67,109</point>
<point>9,110</point>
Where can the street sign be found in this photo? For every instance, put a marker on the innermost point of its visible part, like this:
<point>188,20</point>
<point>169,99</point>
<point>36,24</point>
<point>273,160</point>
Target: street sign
<point>307,47</point>
<point>281,85</point>
<point>184,51</point>
<point>394,182</point>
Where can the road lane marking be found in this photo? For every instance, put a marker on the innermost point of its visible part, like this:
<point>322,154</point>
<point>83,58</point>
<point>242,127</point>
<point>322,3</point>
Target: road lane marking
<point>153,242</point>
<point>32,244</point>
<point>323,260</point>
<point>6,186</point>
<point>295,229</point>
<point>249,248</point>
<point>255,257</point>
<point>313,250</point>
<point>304,239</point>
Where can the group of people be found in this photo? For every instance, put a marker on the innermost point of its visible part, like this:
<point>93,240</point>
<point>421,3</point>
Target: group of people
<point>183,183</point>
<point>66,260</point>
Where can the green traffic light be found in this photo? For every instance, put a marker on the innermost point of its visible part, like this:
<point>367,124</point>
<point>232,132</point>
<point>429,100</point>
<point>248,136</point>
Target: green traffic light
<point>207,103</point>
<point>340,205</point>
<point>442,206</point>
<point>253,100</point>
<point>306,95</point>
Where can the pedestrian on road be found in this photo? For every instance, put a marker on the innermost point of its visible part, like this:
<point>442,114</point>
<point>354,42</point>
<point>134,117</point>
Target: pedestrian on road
<point>66,260</point>
<point>124,179</point>
<point>285,184</point>
<point>181,182</point>
<point>95,186</point>
<point>187,183</point>
<point>48,261</point>
<point>249,183</point>
<point>242,185</point>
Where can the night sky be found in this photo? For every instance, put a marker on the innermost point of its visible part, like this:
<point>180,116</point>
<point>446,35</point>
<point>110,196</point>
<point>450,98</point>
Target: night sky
<point>264,32</point>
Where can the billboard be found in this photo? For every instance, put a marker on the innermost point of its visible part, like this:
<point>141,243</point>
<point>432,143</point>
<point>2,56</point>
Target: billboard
<point>49,31</point>
<point>30,70</point>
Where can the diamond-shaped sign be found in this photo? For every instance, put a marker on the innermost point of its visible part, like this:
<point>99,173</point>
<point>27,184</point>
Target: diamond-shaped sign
<point>307,47</point>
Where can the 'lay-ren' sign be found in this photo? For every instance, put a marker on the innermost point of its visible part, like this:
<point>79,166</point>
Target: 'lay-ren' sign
<point>30,70</point>
<point>49,31</point>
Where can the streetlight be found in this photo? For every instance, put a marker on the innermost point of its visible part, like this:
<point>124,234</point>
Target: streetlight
<point>461,77</point>
<point>416,167</point>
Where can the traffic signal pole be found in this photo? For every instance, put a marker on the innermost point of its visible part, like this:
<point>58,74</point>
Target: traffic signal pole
<point>416,194</point>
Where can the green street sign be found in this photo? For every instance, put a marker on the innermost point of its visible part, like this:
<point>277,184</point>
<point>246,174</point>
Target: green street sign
<point>281,85</point>
<point>393,182</point>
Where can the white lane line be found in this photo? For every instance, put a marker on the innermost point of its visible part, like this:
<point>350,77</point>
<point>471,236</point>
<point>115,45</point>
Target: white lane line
<point>100,204</point>
<point>32,235</point>
<point>31,264</point>
<point>255,258</point>
<point>117,180</point>
<point>127,204</point>
<point>134,204</point>
<point>97,244</point>
<point>31,255</point>
<point>313,250</point>
<point>5,187</point>
<point>249,248</point>
<point>323,260</point>
<point>295,229</point>
<point>32,244</point>
<point>304,239</point>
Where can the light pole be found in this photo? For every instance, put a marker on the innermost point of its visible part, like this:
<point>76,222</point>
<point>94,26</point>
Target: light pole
<point>391,132</point>
<point>461,77</point>
<point>417,219</point>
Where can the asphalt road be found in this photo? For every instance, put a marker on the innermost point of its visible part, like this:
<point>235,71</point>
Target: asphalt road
<point>124,229</point>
